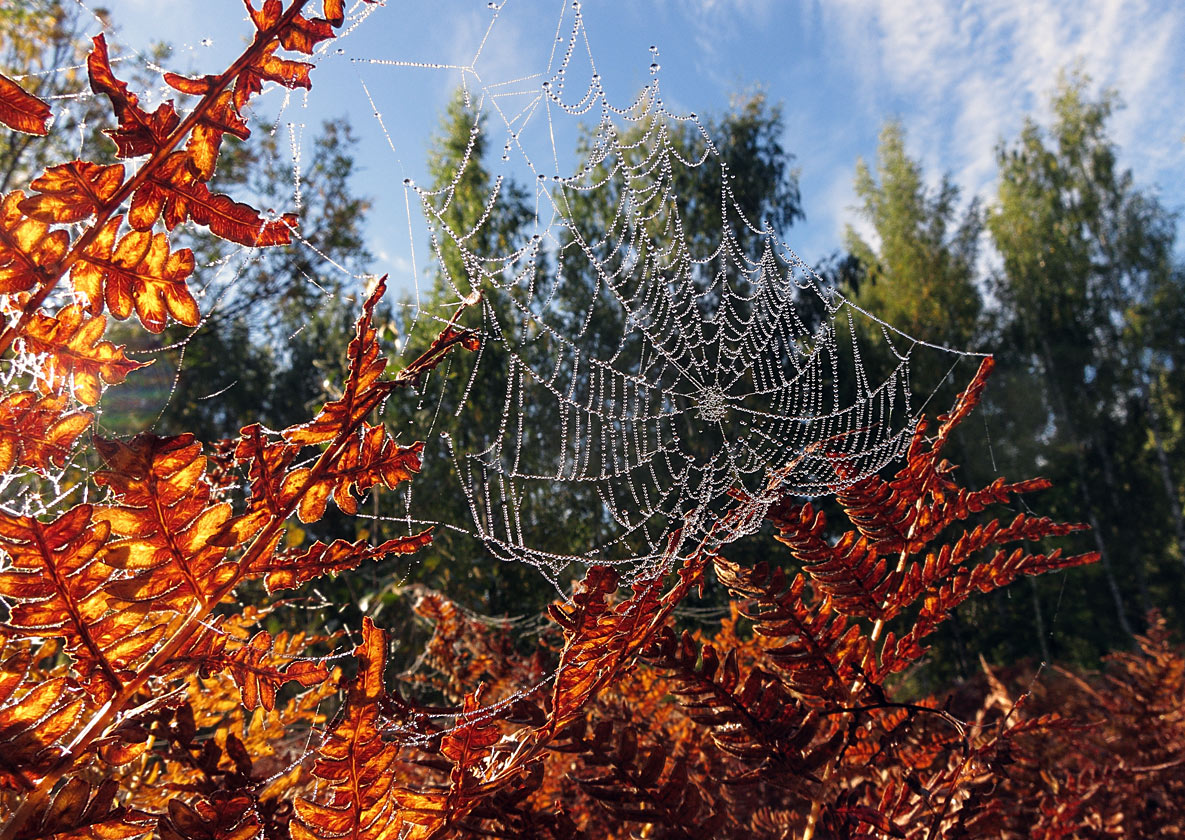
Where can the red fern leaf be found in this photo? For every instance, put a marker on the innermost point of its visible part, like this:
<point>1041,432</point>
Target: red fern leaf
<point>139,133</point>
<point>74,353</point>
<point>174,193</point>
<point>38,432</point>
<point>71,192</point>
<point>21,110</point>
<point>29,251</point>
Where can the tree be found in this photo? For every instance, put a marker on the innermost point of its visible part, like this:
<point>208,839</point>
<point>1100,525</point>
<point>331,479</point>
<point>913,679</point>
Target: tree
<point>1087,259</point>
<point>920,275</point>
<point>918,272</point>
<point>475,219</point>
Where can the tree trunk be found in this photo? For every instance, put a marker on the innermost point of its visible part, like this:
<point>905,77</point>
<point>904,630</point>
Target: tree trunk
<point>1084,485</point>
<point>1166,474</point>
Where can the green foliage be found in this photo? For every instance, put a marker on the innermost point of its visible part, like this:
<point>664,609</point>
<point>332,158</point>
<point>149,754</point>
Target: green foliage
<point>921,275</point>
<point>1088,268</point>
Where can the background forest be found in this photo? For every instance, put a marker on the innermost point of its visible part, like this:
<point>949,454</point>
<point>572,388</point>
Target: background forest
<point>1081,304</point>
<point>1070,275</point>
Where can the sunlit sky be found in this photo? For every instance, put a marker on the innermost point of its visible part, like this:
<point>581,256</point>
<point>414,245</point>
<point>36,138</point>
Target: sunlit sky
<point>960,75</point>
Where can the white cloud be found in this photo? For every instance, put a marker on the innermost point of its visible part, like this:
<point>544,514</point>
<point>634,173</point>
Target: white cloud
<point>972,70</point>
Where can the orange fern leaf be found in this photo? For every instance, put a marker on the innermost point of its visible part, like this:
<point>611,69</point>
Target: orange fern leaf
<point>368,458</point>
<point>255,668</point>
<point>75,354</point>
<point>333,11</point>
<point>32,723</point>
<point>363,389</point>
<point>29,250</point>
<point>290,569</point>
<point>268,67</point>
<point>354,760</point>
<point>71,192</point>
<point>468,743</point>
<point>21,110</point>
<point>138,273</point>
<point>600,640</point>
<point>174,193</point>
<point>55,583</point>
<point>165,521</point>
<point>38,432</point>
<point>300,35</point>
<point>219,119</point>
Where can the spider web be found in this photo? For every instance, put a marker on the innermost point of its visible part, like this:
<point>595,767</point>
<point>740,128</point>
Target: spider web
<point>693,388</point>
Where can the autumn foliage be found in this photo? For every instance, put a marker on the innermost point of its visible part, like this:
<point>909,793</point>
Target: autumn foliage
<point>139,694</point>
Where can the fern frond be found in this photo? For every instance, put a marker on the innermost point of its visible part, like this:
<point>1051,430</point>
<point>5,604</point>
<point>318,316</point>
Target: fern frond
<point>819,653</point>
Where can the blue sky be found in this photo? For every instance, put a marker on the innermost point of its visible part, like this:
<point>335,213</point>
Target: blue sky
<point>960,74</point>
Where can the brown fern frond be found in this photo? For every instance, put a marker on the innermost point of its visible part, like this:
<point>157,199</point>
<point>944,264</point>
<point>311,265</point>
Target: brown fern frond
<point>643,782</point>
<point>354,761</point>
<point>139,132</point>
<point>173,193</point>
<point>852,571</point>
<point>820,653</point>
<point>289,569</point>
<point>34,720</point>
<point>601,640</point>
<point>1001,570</point>
<point>367,458</point>
<point>754,719</point>
<point>81,809</point>
<point>462,652</point>
<point>222,816</point>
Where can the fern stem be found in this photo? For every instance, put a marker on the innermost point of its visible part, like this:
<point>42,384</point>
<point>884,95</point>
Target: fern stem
<point>878,628</point>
